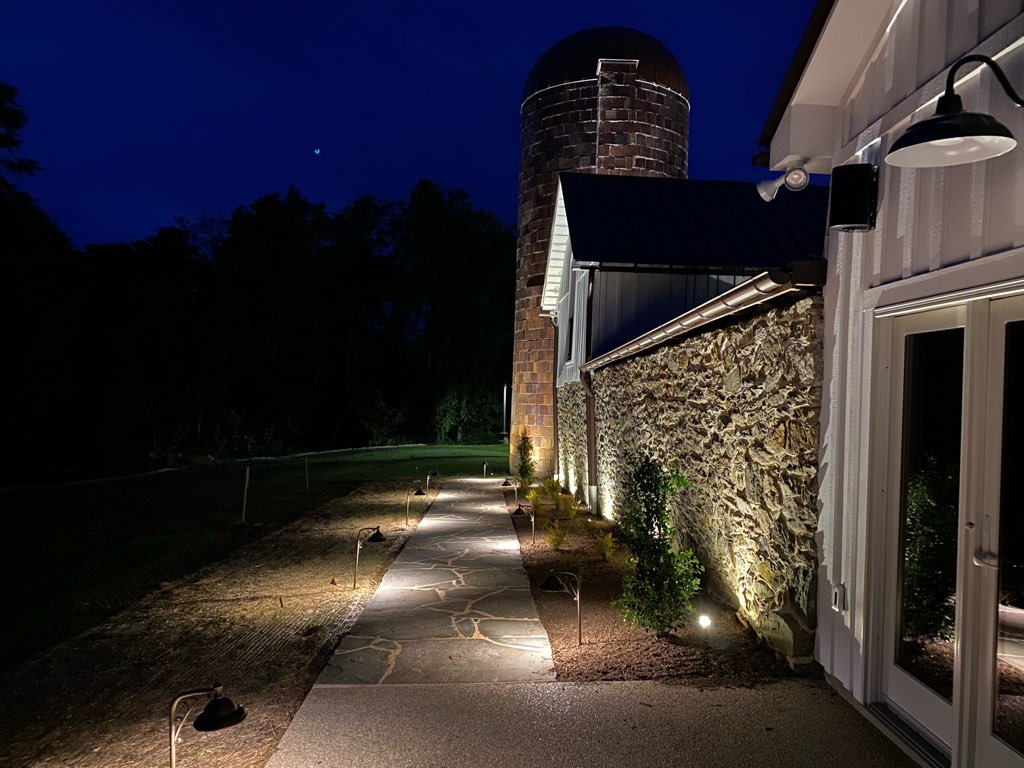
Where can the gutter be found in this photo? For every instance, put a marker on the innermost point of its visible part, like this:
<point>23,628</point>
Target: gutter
<point>800,276</point>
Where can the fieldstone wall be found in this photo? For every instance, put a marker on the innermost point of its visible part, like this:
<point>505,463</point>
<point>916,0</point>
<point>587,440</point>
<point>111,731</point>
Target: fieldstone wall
<point>572,438</point>
<point>735,410</point>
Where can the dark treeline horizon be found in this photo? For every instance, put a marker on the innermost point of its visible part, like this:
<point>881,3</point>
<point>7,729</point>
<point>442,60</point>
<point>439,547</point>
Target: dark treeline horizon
<point>282,328</point>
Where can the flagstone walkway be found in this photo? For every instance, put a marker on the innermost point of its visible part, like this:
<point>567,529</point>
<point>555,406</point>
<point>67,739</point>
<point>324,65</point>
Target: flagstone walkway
<point>455,607</point>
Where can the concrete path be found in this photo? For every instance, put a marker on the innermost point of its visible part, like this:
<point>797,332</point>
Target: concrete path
<point>450,667</point>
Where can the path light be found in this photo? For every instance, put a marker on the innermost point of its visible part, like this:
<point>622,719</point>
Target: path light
<point>220,712</point>
<point>952,136</point>
<point>485,467</point>
<point>704,620</point>
<point>555,583</point>
<point>507,483</point>
<point>418,492</point>
<point>376,537</point>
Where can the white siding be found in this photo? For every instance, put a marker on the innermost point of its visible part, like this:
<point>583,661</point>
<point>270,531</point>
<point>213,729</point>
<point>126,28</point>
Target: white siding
<point>929,220</point>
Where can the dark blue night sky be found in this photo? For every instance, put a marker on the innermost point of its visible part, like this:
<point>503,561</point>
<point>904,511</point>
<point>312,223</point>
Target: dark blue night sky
<point>140,112</point>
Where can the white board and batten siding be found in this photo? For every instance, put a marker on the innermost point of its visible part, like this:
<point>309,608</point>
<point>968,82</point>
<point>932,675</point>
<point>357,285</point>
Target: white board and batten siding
<point>937,230</point>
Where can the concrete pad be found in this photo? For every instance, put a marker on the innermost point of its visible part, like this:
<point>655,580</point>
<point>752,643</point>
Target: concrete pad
<point>792,724</point>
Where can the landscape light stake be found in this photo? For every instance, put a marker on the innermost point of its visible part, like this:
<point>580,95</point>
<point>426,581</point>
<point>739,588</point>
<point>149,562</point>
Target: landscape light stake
<point>307,475</point>
<point>555,583</point>
<point>220,712</point>
<point>245,493</point>
<point>375,537</point>
<point>485,467</point>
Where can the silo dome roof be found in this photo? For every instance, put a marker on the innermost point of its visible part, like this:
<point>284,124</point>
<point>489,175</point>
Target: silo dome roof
<point>575,58</point>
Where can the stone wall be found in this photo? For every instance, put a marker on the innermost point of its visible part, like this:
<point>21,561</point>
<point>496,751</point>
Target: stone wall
<point>572,438</point>
<point>735,410</point>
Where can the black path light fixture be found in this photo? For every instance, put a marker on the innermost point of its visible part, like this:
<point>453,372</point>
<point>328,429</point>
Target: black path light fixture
<point>408,494</point>
<point>376,537</point>
<point>520,510</point>
<point>220,712</point>
<point>556,583</point>
<point>953,136</point>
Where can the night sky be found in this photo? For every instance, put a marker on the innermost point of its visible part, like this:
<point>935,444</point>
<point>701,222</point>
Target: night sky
<point>140,112</point>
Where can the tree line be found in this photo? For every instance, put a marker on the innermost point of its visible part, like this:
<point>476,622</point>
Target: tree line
<point>283,327</point>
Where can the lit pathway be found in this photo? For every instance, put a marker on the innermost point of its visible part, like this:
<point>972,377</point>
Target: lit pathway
<point>454,607</point>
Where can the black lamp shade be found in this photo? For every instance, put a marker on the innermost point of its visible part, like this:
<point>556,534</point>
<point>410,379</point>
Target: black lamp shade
<point>506,484</point>
<point>220,712</point>
<point>376,536</point>
<point>552,584</point>
<point>951,139</point>
<point>518,510</point>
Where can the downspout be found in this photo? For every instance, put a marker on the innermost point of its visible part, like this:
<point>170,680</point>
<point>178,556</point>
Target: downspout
<point>588,392</point>
<point>554,397</point>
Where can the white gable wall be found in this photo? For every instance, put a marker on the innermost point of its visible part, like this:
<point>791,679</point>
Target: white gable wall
<point>929,220</point>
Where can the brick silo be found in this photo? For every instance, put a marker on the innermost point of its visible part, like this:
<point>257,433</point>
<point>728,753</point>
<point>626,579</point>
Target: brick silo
<point>603,100</point>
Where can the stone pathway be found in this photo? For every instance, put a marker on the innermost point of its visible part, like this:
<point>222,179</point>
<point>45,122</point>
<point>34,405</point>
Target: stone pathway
<point>455,607</point>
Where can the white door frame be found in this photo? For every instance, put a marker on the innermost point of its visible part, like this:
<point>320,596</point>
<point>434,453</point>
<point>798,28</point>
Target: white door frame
<point>968,736</point>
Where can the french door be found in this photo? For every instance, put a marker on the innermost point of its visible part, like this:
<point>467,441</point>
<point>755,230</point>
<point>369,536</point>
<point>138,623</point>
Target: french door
<point>952,646</point>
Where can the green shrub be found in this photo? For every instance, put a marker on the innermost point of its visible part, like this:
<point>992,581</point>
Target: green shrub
<point>656,594</point>
<point>556,534</point>
<point>524,452</point>
<point>550,488</point>
<point>605,545</point>
<point>567,505</point>
<point>534,498</point>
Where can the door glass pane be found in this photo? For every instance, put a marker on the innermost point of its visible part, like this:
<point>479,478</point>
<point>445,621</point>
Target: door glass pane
<point>1009,723</point>
<point>933,385</point>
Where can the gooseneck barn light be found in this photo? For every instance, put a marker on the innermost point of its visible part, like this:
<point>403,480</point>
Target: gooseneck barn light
<point>952,136</point>
<point>220,712</point>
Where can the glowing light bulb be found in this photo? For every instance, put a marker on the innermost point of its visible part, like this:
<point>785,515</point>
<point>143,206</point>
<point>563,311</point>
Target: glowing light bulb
<point>704,621</point>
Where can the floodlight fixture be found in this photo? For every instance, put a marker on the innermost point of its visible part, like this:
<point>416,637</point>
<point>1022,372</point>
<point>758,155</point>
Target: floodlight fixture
<point>794,179</point>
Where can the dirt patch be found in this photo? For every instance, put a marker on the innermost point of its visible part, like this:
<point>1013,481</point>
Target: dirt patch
<point>261,622</point>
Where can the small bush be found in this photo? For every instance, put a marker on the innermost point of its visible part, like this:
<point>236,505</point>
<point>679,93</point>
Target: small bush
<point>605,545</point>
<point>533,498</point>
<point>550,488</point>
<point>556,534</point>
<point>524,452</point>
<point>567,505</point>
<point>656,594</point>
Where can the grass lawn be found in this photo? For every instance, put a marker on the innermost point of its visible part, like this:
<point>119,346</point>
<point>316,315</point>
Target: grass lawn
<point>76,554</point>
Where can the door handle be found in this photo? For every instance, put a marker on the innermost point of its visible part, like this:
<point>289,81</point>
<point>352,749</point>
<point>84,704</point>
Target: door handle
<point>986,559</point>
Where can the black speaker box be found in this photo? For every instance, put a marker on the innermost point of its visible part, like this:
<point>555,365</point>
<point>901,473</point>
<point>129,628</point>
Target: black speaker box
<point>854,199</point>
